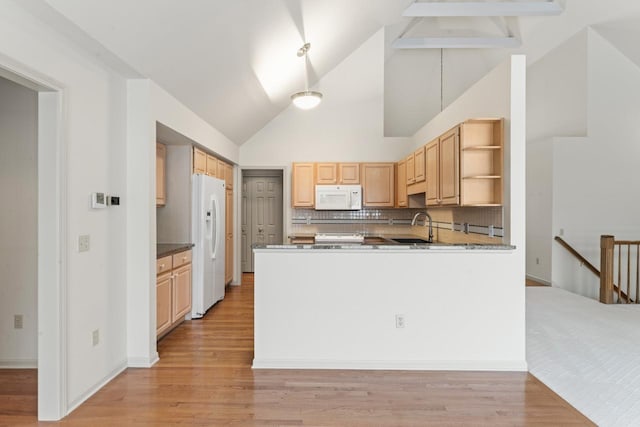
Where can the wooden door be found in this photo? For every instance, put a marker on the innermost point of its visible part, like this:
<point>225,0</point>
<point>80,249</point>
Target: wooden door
<point>181,292</point>
<point>303,185</point>
<point>199,161</point>
<point>411,174</point>
<point>419,165</point>
<point>161,165</point>
<point>212,166</point>
<point>450,168</point>
<point>163,302</point>
<point>326,173</point>
<point>378,185</point>
<point>432,172</point>
<point>349,173</point>
<point>261,215</point>
<point>401,185</point>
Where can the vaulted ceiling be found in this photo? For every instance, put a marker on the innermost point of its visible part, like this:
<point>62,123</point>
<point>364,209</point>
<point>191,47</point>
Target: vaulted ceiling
<point>234,63</point>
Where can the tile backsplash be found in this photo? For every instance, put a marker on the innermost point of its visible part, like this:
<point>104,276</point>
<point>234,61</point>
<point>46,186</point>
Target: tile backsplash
<point>387,221</point>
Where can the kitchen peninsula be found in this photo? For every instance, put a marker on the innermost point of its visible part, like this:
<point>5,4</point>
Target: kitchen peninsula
<point>431,306</point>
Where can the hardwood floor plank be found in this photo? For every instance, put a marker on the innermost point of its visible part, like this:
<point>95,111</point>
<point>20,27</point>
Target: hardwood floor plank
<point>204,378</point>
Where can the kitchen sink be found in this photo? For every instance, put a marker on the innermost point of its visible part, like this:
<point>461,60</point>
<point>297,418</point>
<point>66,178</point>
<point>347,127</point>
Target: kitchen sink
<point>410,241</point>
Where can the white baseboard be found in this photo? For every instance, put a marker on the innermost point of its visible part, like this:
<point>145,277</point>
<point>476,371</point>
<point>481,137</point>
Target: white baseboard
<point>413,365</point>
<point>18,364</point>
<point>84,396</point>
<point>142,362</point>
<point>538,279</point>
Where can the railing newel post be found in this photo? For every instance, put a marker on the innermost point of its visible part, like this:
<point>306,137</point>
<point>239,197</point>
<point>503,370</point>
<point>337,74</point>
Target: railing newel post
<point>606,269</point>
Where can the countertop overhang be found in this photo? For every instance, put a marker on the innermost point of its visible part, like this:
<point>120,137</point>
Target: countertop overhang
<point>389,247</point>
<point>166,249</point>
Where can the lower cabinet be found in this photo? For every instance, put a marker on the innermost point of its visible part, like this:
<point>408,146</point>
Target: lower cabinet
<point>173,291</point>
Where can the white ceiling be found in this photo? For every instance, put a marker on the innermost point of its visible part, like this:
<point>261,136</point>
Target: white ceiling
<point>234,63</point>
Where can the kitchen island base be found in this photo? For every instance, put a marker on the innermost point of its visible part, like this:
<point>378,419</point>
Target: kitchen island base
<point>463,309</point>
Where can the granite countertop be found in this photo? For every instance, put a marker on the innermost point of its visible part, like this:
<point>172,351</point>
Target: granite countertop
<point>392,247</point>
<point>165,249</point>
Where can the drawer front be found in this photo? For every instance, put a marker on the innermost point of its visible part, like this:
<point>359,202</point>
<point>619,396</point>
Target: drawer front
<point>181,258</point>
<point>163,265</point>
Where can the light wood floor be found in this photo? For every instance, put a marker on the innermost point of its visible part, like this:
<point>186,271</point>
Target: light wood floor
<point>204,378</point>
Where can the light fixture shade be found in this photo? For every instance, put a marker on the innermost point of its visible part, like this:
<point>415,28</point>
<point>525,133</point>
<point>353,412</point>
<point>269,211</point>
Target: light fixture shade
<point>307,99</point>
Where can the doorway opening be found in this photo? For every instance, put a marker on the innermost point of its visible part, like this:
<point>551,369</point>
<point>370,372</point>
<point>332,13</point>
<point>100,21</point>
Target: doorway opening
<point>261,212</point>
<point>31,141</point>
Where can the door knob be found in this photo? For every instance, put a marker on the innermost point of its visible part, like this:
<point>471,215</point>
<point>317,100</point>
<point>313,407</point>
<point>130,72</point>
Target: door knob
<point>260,230</point>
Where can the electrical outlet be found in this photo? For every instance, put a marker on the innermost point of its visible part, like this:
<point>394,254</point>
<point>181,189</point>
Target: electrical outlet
<point>18,321</point>
<point>400,321</point>
<point>95,337</point>
<point>84,243</point>
<point>561,233</point>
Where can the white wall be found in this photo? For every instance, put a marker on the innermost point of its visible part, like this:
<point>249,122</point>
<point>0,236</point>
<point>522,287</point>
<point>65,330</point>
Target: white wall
<point>583,104</point>
<point>346,126</point>
<point>172,113</point>
<point>174,218</point>
<point>539,209</point>
<point>93,133</point>
<point>594,177</point>
<point>18,224</point>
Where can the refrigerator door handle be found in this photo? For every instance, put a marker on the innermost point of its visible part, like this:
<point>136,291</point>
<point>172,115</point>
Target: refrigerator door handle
<point>212,216</point>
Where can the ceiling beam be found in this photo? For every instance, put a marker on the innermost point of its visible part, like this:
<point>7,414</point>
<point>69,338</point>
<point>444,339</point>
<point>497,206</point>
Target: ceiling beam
<point>475,8</point>
<point>456,43</point>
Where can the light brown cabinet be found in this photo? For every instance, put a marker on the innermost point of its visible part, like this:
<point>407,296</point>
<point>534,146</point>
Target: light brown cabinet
<point>443,170</point>
<point>326,173</point>
<point>212,166</point>
<point>161,167</point>
<point>378,186</point>
<point>228,176</point>
<point>481,162</point>
<point>349,173</point>
<point>303,185</point>
<point>199,161</point>
<point>173,291</point>
<point>228,244</point>
<point>464,166</point>
<point>337,173</point>
<point>418,165</point>
<point>401,185</point>
<point>411,175</point>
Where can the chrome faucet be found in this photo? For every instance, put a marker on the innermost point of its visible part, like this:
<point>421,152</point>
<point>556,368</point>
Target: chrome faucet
<point>425,213</point>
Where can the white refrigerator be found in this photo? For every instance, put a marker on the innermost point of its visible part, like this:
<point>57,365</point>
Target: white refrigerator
<point>208,235</point>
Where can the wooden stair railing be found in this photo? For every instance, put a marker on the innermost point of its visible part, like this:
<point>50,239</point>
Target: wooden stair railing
<point>610,287</point>
<point>607,265</point>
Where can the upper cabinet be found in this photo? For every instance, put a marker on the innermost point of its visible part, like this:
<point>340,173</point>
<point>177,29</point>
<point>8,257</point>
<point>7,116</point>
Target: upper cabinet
<point>303,185</point>
<point>464,165</point>
<point>337,173</point>
<point>349,173</point>
<point>401,185</point>
<point>481,162</point>
<point>326,173</point>
<point>161,165</point>
<point>418,165</point>
<point>411,174</point>
<point>212,166</point>
<point>378,186</point>
<point>228,176</point>
<point>199,161</point>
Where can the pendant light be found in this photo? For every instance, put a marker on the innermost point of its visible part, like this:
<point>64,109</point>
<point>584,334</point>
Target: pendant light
<point>306,99</point>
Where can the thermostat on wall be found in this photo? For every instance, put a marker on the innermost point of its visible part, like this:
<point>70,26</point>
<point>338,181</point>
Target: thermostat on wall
<point>98,200</point>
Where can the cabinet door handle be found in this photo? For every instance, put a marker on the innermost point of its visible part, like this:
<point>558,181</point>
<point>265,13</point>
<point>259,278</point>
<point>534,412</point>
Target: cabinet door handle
<point>161,266</point>
<point>184,258</point>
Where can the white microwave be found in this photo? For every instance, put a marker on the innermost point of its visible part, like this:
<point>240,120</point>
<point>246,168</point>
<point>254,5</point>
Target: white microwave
<point>338,197</point>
